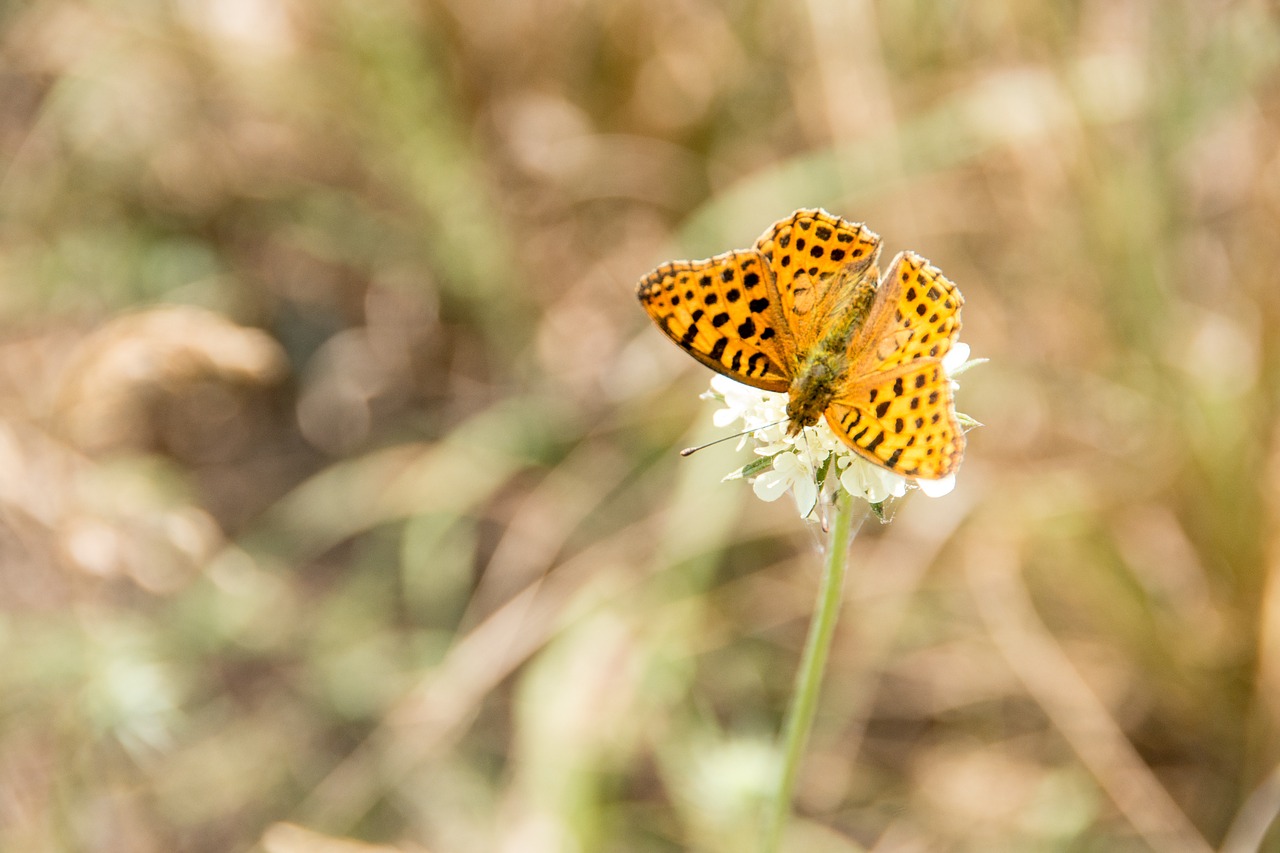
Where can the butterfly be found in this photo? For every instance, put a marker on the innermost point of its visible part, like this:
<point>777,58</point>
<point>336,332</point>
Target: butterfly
<point>806,312</point>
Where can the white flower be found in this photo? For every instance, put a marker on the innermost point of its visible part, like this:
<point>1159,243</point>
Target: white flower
<point>870,482</point>
<point>790,470</point>
<point>755,408</point>
<point>797,463</point>
<point>953,360</point>
<point>738,399</point>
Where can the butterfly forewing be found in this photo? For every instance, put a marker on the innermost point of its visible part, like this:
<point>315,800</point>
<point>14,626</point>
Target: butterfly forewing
<point>724,312</point>
<point>894,405</point>
<point>818,261</point>
<point>916,314</point>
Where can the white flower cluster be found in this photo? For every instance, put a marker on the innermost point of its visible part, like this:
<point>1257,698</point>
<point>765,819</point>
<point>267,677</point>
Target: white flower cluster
<point>789,463</point>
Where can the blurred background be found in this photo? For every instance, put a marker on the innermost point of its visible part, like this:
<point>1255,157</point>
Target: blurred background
<point>339,501</point>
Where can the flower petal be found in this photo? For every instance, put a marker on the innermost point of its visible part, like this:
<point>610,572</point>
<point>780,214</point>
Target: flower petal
<point>957,356</point>
<point>854,480</point>
<point>724,417</point>
<point>727,386</point>
<point>937,488</point>
<point>789,465</point>
<point>770,486</point>
<point>871,482</point>
<point>806,493</point>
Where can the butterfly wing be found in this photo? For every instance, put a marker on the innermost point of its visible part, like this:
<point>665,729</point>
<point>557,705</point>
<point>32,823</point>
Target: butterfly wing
<point>724,312</point>
<point>916,315</point>
<point>895,405</point>
<point>902,419</point>
<point>818,263</point>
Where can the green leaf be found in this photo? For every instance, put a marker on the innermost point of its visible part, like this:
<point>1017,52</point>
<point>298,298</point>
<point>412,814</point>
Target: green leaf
<point>752,468</point>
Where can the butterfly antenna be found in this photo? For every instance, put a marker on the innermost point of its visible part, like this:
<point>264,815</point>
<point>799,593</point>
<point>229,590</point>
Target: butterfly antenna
<point>689,451</point>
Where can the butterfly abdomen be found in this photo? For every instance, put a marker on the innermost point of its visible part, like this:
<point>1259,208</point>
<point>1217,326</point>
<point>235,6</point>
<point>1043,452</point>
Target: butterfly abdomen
<point>816,379</point>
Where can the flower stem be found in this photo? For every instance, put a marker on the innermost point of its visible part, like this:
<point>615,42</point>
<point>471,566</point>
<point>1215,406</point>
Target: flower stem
<point>804,698</point>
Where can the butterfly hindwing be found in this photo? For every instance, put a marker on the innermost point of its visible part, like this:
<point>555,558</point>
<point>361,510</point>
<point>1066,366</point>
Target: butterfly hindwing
<point>818,262</point>
<point>724,312</point>
<point>902,419</point>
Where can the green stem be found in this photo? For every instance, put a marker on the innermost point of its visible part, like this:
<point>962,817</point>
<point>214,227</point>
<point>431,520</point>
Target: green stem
<point>804,698</point>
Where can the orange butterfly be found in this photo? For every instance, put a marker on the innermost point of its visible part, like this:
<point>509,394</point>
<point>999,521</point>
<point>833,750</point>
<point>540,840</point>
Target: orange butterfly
<point>806,312</point>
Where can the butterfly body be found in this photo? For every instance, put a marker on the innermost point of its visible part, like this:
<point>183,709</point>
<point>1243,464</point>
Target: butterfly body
<point>806,312</point>
<point>818,373</point>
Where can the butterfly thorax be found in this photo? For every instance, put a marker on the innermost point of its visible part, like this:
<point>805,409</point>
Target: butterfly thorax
<point>816,379</point>
<point>819,372</point>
